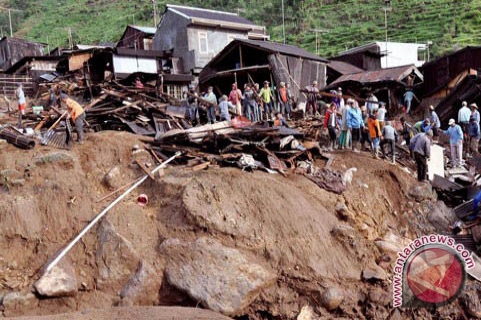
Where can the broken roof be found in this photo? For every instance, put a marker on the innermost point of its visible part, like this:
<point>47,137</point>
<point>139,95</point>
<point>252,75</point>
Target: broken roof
<point>207,16</point>
<point>343,67</point>
<point>391,74</point>
<point>147,30</point>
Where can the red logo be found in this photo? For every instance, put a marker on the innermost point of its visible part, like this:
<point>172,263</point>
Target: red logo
<point>435,275</point>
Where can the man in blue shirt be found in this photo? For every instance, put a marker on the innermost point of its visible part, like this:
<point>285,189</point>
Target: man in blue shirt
<point>408,98</point>
<point>434,120</point>
<point>456,141</point>
<point>474,135</point>
<point>355,122</point>
<point>210,96</point>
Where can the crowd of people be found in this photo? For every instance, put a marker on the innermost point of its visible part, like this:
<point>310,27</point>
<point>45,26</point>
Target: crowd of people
<point>254,103</point>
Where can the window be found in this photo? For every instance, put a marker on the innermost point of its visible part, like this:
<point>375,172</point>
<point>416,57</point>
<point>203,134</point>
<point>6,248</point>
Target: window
<point>203,48</point>
<point>174,91</point>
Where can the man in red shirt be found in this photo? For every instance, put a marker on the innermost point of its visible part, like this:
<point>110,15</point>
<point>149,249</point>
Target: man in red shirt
<point>235,98</point>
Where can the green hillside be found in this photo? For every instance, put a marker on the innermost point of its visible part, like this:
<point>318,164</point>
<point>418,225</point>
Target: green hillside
<point>449,24</point>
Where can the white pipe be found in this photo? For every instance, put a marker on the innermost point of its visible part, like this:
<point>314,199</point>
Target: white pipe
<point>101,214</point>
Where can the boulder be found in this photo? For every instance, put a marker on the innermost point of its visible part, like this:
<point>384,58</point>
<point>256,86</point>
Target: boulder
<point>422,192</point>
<point>344,232</point>
<point>220,278</point>
<point>374,272</point>
<point>55,157</point>
<point>332,298</point>
<point>142,288</point>
<point>307,313</point>
<point>19,303</point>
<point>115,257</point>
<point>342,211</point>
<point>441,216</point>
<point>61,281</point>
<point>379,296</point>
<point>113,178</point>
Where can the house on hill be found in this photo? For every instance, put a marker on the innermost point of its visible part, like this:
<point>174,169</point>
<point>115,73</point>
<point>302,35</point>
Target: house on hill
<point>254,61</point>
<point>382,55</point>
<point>13,50</point>
<point>196,35</point>
<point>137,37</point>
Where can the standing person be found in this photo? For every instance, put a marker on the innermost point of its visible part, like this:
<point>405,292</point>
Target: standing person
<point>355,123</point>
<point>266,97</point>
<point>475,112</point>
<point>365,137</point>
<point>371,103</point>
<point>344,136</point>
<point>330,122</point>
<point>259,102</point>
<point>375,133</point>
<point>290,101</point>
<point>339,96</point>
<point>311,103</point>
<point>406,131</point>
<point>192,109</point>
<point>455,134</point>
<point>235,99</point>
<point>422,153</point>
<point>210,96</point>
<point>463,117</point>
<point>77,113</point>
<point>390,137</point>
<point>250,104</point>
<point>22,103</point>
<point>381,114</point>
<point>408,98</point>
<point>474,135</point>
<point>224,108</point>
<point>435,122</point>
<point>282,98</point>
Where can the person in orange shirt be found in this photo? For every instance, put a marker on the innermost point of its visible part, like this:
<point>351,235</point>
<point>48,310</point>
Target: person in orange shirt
<point>374,133</point>
<point>77,113</point>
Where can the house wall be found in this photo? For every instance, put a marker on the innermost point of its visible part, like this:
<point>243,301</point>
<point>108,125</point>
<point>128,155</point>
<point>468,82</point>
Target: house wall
<point>12,50</point>
<point>217,39</point>
<point>400,54</point>
<point>134,39</point>
<point>362,59</point>
<point>172,34</point>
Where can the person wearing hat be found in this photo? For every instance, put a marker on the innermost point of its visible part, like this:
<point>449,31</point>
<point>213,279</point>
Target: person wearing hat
<point>455,134</point>
<point>311,103</point>
<point>267,100</point>
<point>475,112</point>
<point>474,135</point>
<point>434,120</point>
<point>22,103</point>
<point>422,153</point>
<point>210,97</point>
<point>77,113</point>
<point>355,123</point>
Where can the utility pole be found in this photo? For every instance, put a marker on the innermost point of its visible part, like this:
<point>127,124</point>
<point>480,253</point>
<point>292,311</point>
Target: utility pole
<point>154,5</point>
<point>317,31</point>
<point>70,39</point>
<point>48,46</point>
<point>386,9</point>
<point>10,21</point>
<point>428,44</point>
<point>283,23</point>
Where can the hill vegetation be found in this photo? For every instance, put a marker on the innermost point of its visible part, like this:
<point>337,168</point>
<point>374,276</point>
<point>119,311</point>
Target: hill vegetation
<point>449,24</point>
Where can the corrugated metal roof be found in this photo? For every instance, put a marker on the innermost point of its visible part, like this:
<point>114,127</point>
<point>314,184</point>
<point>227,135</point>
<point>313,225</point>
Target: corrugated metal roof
<point>390,74</point>
<point>207,14</point>
<point>286,49</point>
<point>343,67</point>
<point>148,30</point>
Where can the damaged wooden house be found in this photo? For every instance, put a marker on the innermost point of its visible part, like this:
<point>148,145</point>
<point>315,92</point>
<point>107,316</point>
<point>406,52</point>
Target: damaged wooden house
<point>253,61</point>
<point>388,85</point>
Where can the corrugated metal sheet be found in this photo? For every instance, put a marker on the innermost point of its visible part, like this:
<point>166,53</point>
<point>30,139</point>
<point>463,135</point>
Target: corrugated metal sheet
<point>207,14</point>
<point>128,65</point>
<point>148,30</point>
<point>343,67</point>
<point>391,74</point>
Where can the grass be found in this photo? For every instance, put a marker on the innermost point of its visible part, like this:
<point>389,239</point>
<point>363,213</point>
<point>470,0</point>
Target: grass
<point>348,23</point>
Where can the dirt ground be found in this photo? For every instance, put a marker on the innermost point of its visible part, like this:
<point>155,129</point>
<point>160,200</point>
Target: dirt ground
<point>286,223</point>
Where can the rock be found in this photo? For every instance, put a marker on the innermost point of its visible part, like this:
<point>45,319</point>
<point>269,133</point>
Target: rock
<point>344,232</point>
<point>342,211</point>
<point>441,216</point>
<point>18,182</point>
<point>332,298</point>
<point>220,278</point>
<point>373,272</point>
<point>113,178</point>
<point>142,288</point>
<point>59,282</point>
<point>422,192</point>
<point>395,315</point>
<point>307,313</point>
<point>379,296</point>
<point>18,303</point>
<point>115,257</point>
<point>54,157</point>
<point>470,301</point>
